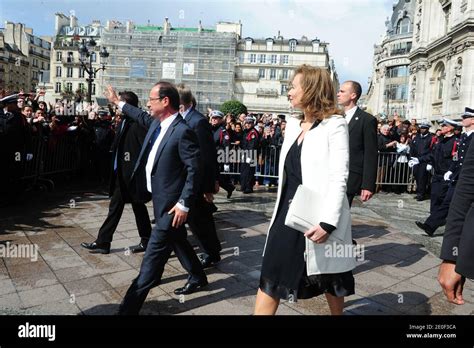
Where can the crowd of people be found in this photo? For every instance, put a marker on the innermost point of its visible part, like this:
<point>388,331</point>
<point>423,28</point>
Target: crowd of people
<point>170,155</point>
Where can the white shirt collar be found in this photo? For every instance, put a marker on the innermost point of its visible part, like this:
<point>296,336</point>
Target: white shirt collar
<point>468,133</point>
<point>186,112</point>
<point>166,123</point>
<point>350,113</point>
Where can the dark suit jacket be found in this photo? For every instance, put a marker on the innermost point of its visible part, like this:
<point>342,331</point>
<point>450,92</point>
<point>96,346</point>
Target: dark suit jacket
<point>208,164</point>
<point>458,241</point>
<point>362,153</point>
<point>175,173</point>
<point>127,145</point>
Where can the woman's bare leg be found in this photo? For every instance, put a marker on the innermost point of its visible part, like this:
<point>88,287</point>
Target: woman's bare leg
<point>265,305</point>
<point>336,304</point>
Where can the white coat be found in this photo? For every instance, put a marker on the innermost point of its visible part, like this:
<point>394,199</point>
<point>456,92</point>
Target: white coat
<point>325,169</point>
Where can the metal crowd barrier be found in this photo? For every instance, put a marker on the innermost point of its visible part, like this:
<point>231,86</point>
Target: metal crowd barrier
<point>392,167</point>
<point>393,170</point>
<point>52,155</point>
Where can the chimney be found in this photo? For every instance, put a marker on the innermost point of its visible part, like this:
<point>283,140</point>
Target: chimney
<point>129,26</point>
<point>167,26</point>
<point>72,21</point>
<point>200,26</point>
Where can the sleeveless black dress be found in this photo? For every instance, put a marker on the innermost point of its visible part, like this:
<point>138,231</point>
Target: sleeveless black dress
<point>283,273</point>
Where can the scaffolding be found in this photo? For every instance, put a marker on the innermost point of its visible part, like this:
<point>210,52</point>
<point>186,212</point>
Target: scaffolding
<point>202,59</point>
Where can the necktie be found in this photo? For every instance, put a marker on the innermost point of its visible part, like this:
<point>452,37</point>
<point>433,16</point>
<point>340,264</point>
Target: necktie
<point>152,140</point>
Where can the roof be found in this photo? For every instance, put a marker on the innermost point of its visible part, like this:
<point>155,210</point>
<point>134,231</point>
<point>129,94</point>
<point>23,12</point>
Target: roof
<point>159,28</point>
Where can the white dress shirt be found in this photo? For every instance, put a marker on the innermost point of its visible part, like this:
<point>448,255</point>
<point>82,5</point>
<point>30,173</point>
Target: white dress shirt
<point>151,156</point>
<point>350,113</point>
<point>185,113</point>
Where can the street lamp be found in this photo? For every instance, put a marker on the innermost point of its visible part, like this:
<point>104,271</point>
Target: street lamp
<point>388,102</point>
<point>86,50</point>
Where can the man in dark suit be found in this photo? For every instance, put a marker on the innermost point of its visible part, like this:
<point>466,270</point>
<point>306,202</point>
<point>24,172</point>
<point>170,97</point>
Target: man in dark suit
<point>457,250</point>
<point>200,218</point>
<point>170,159</point>
<point>362,143</point>
<point>125,149</point>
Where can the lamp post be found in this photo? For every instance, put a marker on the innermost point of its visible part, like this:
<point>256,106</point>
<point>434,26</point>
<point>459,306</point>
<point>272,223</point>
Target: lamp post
<point>86,51</point>
<point>388,102</point>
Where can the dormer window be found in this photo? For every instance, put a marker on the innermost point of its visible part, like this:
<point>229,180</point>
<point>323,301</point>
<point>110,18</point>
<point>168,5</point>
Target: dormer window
<point>248,44</point>
<point>293,43</point>
<point>269,44</point>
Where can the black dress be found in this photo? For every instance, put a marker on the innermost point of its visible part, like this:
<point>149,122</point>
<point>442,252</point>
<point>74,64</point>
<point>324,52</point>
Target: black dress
<point>283,272</point>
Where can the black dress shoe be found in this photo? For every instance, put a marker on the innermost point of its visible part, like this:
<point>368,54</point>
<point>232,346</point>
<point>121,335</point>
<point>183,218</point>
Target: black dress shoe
<point>229,193</point>
<point>190,288</point>
<point>95,248</point>
<point>139,248</point>
<point>208,261</point>
<point>427,229</point>
<point>246,192</point>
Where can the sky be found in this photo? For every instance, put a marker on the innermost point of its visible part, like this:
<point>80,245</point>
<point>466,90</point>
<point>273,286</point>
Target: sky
<point>351,27</point>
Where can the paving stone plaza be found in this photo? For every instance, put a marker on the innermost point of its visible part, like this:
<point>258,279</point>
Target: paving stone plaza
<point>397,274</point>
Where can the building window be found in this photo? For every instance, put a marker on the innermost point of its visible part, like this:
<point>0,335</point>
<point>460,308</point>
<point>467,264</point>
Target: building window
<point>403,25</point>
<point>69,86</point>
<point>81,72</point>
<point>70,57</point>
<point>57,88</point>
<point>42,65</point>
<point>269,45</point>
<point>248,44</point>
<point>261,73</point>
<point>284,75</point>
<point>253,58</point>
<point>284,90</point>
<point>273,59</point>
<point>81,87</point>
<point>273,74</point>
<point>58,71</point>
<point>284,59</point>
<point>262,58</point>
<point>59,56</point>
<point>93,57</point>
<point>397,71</point>
<point>69,72</point>
<point>292,45</point>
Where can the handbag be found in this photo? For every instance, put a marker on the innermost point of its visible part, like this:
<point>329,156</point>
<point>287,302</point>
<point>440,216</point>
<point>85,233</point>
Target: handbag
<point>304,210</point>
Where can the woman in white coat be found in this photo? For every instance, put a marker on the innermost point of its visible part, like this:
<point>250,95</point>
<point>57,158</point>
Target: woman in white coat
<point>315,154</point>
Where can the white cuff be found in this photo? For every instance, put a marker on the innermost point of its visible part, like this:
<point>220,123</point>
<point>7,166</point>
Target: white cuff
<point>121,104</point>
<point>182,207</point>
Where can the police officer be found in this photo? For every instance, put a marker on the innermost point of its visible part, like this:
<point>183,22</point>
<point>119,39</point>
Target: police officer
<point>440,158</point>
<point>419,150</point>
<point>222,139</point>
<point>249,146</point>
<point>438,217</point>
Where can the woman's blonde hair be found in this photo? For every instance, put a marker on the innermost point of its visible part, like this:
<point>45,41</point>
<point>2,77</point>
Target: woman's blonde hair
<point>319,95</point>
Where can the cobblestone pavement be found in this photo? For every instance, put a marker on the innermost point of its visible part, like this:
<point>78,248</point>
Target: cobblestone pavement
<point>398,274</point>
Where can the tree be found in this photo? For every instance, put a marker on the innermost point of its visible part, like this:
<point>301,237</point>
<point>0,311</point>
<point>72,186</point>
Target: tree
<point>233,107</point>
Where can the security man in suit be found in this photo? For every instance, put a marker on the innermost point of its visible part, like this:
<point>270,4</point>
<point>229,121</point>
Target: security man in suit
<point>249,146</point>
<point>420,148</point>
<point>170,160</point>
<point>200,219</point>
<point>440,160</point>
<point>457,250</point>
<point>15,148</point>
<point>222,141</point>
<point>363,142</point>
<point>438,217</point>
<point>126,147</point>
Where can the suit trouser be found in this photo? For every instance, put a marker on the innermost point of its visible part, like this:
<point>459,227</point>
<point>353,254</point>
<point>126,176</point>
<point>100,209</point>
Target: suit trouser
<point>421,178</point>
<point>438,217</point>
<point>160,246</point>
<point>116,206</point>
<point>247,176</point>
<point>439,188</point>
<point>201,222</point>
<point>226,183</point>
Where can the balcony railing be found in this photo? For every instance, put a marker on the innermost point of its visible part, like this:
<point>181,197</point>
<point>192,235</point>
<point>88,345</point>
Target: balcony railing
<point>264,92</point>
